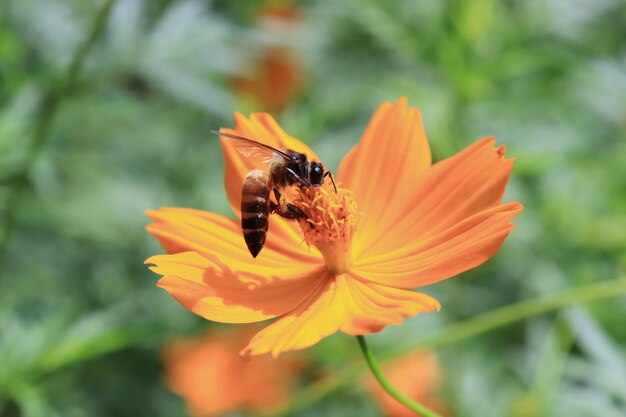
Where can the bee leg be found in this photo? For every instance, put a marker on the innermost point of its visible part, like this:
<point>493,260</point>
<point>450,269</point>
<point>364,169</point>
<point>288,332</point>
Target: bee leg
<point>279,197</point>
<point>332,179</point>
<point>295,211</point>
<point>291,212</point>
<point>298,214</point>
<point>280,202</point>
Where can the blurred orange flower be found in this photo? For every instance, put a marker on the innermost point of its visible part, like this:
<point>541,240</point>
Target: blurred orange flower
<point>276,75</point>
<point>418,375</point>
<point>396,223</point>
<point>213,379</point>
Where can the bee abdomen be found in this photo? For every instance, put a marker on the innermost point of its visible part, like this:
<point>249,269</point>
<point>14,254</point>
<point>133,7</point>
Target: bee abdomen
<point>255,209</point>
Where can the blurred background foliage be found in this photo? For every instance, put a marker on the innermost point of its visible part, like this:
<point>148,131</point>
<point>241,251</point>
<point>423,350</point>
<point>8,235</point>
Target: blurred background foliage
<point>81,323</point>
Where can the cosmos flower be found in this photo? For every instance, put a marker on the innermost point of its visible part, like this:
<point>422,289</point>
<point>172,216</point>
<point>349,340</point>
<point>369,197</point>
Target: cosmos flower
<point>418,375</point>
<point>213,380</point>
<point>275,74</point>
<point>272,82</point>
<point>397,222</point>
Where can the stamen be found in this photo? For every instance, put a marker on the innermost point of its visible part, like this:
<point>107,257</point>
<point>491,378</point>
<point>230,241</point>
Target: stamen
<point>332,219</point>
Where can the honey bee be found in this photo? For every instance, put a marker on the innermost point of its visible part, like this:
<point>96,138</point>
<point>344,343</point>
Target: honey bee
<point>286,168</point>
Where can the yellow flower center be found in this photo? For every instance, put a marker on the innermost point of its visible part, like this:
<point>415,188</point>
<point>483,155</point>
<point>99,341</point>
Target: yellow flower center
<point>331,221</point>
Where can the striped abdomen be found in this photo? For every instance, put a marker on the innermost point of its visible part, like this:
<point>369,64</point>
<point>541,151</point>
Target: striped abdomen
<point>255,209</point>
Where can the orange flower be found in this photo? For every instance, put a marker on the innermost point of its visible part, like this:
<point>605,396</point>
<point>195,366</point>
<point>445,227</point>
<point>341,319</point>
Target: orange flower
<point>396,223</point>
<point>273,82</point>
<point>211,377</point>
<point>418,375</point>
<point>276,75</point>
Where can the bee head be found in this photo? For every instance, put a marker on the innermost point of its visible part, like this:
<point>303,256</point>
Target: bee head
<point>316,176</point>
<point>296,157</point>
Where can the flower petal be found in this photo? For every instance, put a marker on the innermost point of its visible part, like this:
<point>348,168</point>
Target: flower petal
<point>347,303</point>
<point>181,230</point>
<point>318,316</point>
<point>382,169</point>
<point>456,249</point>
<point>374,306</point>
<point>449,192</point>
<point>226,294</point>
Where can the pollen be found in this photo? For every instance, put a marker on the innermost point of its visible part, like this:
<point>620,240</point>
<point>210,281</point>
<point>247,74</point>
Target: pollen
<point>332,219</point>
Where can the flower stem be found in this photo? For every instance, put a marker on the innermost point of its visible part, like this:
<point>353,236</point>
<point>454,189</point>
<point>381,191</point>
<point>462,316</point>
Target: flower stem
<point>384,382</point>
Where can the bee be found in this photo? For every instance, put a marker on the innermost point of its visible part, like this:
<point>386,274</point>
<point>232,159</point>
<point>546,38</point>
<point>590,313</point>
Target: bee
<point>286,168</point>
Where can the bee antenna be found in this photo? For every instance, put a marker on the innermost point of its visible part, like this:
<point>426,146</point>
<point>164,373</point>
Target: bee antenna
<point>332,179</point>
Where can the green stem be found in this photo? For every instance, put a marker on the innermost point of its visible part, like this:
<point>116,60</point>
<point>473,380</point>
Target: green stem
<point>519,311</point>
<point>384,382</point>
<point>461,331</point>
<point>49,108</point>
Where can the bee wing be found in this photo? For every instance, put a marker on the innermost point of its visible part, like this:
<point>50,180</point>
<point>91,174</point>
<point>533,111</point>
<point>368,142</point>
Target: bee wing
<point>253,149</point>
